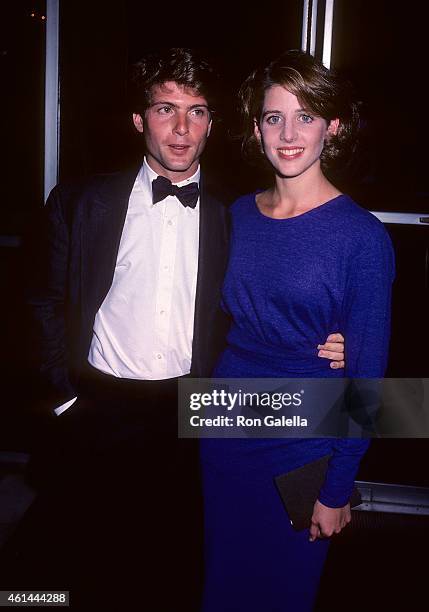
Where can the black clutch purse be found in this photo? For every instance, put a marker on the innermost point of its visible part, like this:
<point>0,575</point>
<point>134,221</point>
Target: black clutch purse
<point>299,490</point>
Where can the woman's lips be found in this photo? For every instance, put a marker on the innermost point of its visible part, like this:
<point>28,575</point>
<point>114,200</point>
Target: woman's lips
<point>290,153</point>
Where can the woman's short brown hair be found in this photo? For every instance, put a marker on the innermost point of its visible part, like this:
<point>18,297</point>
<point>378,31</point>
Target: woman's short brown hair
<point>319,90</point>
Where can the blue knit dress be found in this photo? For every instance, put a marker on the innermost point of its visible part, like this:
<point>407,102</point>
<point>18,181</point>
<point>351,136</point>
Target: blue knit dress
<point>289,284</point>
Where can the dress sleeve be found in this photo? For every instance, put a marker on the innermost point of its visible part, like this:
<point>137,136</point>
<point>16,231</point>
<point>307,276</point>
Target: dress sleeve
<point>342,470</point>
<point>366,328</point>
<point>367,306</point>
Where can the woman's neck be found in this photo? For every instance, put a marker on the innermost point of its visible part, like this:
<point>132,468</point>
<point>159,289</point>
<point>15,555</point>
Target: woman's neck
<point>292,196</point>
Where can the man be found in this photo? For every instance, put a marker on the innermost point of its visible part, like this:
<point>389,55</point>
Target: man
<point>126,304</point>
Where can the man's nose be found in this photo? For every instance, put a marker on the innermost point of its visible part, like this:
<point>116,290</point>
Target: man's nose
<point>181,125</point>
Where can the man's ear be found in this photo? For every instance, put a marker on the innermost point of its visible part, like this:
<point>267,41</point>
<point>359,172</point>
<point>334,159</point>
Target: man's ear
<point>138,122</point>
<point>333,127</point>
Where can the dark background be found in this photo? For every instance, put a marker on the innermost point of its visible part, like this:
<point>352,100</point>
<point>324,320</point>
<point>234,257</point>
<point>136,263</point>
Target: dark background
<point>379,45</point>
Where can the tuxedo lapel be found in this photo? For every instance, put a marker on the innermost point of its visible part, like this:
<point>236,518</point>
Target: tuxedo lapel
<point>212,259</point>
<point>103,218</point>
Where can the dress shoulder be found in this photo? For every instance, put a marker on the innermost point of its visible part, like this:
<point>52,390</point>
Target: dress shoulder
<point>357,225</point>
<point>353,213</point>
<point>366,237</point>
<point>243,203</point>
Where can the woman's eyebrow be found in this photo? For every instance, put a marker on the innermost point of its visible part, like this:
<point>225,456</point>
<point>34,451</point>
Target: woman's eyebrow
<point>279,112</point>
<point>269,111</point>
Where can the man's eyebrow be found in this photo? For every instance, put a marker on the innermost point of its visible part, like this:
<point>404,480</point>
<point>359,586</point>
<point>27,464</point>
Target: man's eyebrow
<point>167,103</point>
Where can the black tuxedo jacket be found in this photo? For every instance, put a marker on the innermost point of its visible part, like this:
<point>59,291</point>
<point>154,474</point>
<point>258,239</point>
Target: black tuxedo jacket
<point>73,270</point>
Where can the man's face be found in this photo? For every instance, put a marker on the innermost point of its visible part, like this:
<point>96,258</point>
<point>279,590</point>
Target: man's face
<point>175,127</point>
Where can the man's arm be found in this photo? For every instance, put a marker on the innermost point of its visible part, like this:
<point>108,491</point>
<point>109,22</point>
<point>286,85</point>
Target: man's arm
<point>47,297</point>
<point>333,349</point>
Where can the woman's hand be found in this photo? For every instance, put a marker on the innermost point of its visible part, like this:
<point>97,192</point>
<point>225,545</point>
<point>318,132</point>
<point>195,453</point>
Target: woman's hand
<point>327,521</point>
<point>333,349</point>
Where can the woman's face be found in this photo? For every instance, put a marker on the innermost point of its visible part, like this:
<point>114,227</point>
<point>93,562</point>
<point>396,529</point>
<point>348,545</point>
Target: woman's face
<point>292,138</point>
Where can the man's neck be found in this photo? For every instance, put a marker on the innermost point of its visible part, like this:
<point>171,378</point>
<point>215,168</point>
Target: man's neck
<point>173,176</point>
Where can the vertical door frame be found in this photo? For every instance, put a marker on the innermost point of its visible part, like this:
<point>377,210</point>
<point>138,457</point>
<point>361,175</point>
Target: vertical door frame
<point>52,99</point>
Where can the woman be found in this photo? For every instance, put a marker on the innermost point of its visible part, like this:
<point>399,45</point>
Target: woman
<point>305,259</point>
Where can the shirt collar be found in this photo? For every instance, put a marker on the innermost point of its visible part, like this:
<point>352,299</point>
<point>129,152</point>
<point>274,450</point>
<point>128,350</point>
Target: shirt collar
<point>146,175</point>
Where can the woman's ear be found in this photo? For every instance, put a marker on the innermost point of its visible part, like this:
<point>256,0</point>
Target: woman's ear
<point>333,127</point>
<point>256,129</point>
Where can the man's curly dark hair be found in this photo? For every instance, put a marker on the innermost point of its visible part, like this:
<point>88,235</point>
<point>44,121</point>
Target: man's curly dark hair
<point>186,67</point>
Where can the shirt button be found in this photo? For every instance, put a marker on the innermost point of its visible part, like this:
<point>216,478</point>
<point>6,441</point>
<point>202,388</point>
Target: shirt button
<point>159,356</point>
<point>166,268</point>
<point>170,222</point>
<point>162,312</point>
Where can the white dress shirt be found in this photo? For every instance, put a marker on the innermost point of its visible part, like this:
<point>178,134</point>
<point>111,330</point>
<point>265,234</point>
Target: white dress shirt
<point>144,327</point>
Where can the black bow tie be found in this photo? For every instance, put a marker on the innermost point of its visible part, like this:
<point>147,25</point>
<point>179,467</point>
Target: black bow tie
<point>187,195</point>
